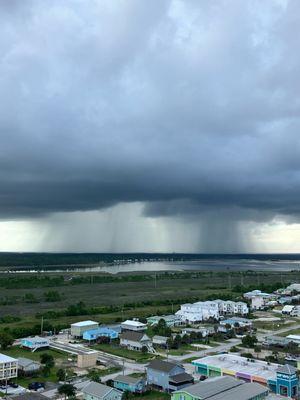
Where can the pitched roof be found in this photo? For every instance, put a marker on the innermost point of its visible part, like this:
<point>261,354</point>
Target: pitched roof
<point>128,379</point>
<point>160,365</point>
<point>132,335</point>
<point>25,362</point>
<point>157,337</point>
<point>133,323</point>
<point>97,389</point>
<point>85,323</point>
<point>245,391</point>
<point>183,377</point>
<point>4,358</point>
<point>29,396</point>
<point>287,369</point>
<point>212,387</point>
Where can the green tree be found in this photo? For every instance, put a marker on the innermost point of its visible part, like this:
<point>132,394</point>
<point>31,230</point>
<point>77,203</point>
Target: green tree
<point>6,340</point>
<point>30,298</point>
<point>61,374</point>
<point>249,340</point>
<point>47,360</point>
<point>67,390</point>
<point>94,375</point>
<point>52,296</point>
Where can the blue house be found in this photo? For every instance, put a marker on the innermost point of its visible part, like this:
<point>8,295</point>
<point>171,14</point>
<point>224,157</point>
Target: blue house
<point>34,343</point>
<point>94,334</point>
<point>287,381</point>
<point>129,384</point>
<point>167,376</point>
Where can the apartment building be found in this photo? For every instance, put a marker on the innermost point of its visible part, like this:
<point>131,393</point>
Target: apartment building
<point>8,367</point>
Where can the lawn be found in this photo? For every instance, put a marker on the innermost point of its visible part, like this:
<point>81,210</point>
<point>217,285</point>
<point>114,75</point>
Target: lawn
<point>122,352</point>
<point>291,332</point>
<point>16,352</point>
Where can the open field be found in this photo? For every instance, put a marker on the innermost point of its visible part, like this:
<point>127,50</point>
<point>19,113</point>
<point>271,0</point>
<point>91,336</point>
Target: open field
<point>119,297</point>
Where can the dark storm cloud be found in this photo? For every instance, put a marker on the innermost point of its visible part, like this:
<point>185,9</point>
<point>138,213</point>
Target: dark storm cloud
<point>186,106</point>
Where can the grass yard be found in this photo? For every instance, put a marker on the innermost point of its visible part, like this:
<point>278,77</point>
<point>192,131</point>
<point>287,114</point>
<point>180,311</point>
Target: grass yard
<point>291,332</point>
<point>24,381</point>
<point>16,352</point>
<point>122,352</point>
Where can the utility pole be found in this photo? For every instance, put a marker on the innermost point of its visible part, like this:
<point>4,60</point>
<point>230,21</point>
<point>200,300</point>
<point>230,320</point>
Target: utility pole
<point>123,361</point>
<point>155,281</point>
<point>42,325</point>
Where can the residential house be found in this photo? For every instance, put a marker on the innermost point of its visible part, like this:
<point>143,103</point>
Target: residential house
<point>278,341</point>
<point>8,367</point>
<point>170,320</point>
<point>78,328</point>
<point>97,391</point>
<point>294,338</point>
<point>26,366</point>
<point>134,340</point>
<point>35,343</point>
<point>160,341</point>
<point>204,310</point>
<point>205,331</point>
<point>287,309</point>
<point>133,325</point>
<point>222,388</point>
<point>167,376</point>
<point>294,287</point>
<point>236,322</point>
<point>103,331</point>
<point>131,384</point>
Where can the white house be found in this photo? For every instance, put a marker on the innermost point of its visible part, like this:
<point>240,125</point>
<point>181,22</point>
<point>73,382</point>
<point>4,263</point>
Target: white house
<point>204,310</point>
<point>133,325</point>
<point>78,328</point>
<point>254,293</point>
<point>8,367</point>
<point>135,340</point>
<point>294,287</point>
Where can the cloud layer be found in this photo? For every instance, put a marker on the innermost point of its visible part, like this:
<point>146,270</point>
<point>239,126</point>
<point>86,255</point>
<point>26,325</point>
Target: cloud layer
<point>187,107</point>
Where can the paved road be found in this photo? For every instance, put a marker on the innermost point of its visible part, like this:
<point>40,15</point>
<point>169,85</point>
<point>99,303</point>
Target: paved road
<point>201,353</point>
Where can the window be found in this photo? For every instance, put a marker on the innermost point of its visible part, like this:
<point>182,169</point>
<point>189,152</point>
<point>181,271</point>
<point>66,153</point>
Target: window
<point>182,397</point>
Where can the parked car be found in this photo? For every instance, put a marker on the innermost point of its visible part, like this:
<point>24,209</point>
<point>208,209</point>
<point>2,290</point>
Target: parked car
<point>13,385</point>
<point>36,386</point>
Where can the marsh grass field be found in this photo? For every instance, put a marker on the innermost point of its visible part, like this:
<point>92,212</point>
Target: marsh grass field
<point>23,295</point>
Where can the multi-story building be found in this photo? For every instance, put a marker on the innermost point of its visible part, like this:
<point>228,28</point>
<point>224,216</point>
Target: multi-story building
<point>199,311</point>
<point>8,367</point>
<point>167,376</point>
<point>280,379</point>
<point>78,328</point>
<point>204,310</point>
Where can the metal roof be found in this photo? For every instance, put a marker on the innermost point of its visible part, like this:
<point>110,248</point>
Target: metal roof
<point>85,323</point>
<point>287,369</point>
<point>128,379</point>
<point>180,378</point>
<point>4,358</point>
<point>97,389</point>
<point>134,336</point>
<point>212,387</point>
<point>245,391</point>
<point>160,365</point>
<point>25,362</point>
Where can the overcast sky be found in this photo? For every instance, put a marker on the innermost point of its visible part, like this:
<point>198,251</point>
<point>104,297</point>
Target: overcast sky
<point>139,125</point>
